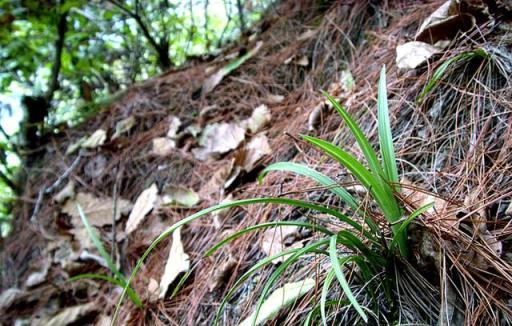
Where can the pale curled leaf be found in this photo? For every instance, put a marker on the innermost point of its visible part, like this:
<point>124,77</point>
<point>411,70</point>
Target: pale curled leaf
<point>259,118</point>
<point>98,210</point>
<point>174,126</point>
<point>179,196</point>
<point>162,146</point>
<point>218,138</point>
<point>177,263</point>
<point>70,315</point>
<point>279,239</point>
<point>143,205</point>
<point>255,150</point>
<point>97,139</point>
<point>123,127</point>
<point>412,54</point>
<point>211,82</point>
<point>279,299</point>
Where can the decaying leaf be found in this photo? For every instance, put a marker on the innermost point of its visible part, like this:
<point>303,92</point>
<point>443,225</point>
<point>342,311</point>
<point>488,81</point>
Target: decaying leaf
<point>179,196</point>
<point>258,119</point>
<point>412,54</point>
<point>177,263</point>
<point>221,273</point>
<point>70,315</point>
<point>174,126</point>
<point>97,139</point>
<point>302,61</point>
<point>153,288</point>
<point>143,205</point>
<point>163,146</point>
<point>67,192</point>
<point>307,34</point>
<point>279,299</point>
<point>275,98</point>
<point>315,116</point>
<point>98,210</point>
<point>279,239</point>
<point>38,277</point>
<point>444,23</point>
<point>255,150</point>
<point>219,215</point>
<point>218,138</point>
<point>75,146</point>
<point>123,127</point>
<point>193,130</point>
<point>215,186</point>
<point>211,82</point>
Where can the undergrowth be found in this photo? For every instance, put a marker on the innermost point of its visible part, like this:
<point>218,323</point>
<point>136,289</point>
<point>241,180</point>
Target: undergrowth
<point>364,248</point>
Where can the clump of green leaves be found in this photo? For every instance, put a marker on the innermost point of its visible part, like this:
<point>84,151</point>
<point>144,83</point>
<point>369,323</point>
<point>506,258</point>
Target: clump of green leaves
<point>117,278</point>
<point>373,254</point>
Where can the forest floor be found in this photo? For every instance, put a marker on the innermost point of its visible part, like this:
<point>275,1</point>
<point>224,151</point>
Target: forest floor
<point>191,138</point>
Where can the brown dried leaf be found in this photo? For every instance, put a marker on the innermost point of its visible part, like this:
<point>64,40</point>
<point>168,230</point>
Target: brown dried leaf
<point>123,127</point>
<point>221,273</point>
<point>97,139</point>
<point>255,150</point>
<point>177,263</point>
<point>143,205</point>
<point>163,146</point>
<point>279,239</point>
<point>218,138</point>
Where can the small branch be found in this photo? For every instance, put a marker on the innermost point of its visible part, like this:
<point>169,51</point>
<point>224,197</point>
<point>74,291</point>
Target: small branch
<point>241,15</point>
<point>59,46</point>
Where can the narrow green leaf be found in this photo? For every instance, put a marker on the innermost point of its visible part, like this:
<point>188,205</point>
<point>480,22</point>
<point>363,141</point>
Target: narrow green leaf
<point>252,228</point>
<point>337,264</point>
<point>280,271</point>
<point>403,227</point>
<point>315,175</point>
<point>385,137</point>
<point>325,291</point>
<point>439,73</point>
<point>171,229</point>
<point>364,144</point>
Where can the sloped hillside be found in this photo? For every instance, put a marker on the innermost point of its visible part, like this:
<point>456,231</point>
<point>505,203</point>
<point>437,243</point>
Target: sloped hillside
<point>200,135</point>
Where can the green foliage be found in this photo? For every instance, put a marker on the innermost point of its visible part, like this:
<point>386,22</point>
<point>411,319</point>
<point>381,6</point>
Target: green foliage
<point>117,278</point>
<point>443,68</point>
<point>369,251</point>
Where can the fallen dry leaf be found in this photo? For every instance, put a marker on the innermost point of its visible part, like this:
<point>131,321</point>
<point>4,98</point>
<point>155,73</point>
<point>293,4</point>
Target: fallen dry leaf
<point>143,205</point>
<point>97,139</point>
<point>218,138</point>
<point>215,186</point>
<point>179,196</point>
<point>67,192</point>
<point>255,150</point>
<point>123,127</point>
<point>98,210</point>
<point>279,299</point>
<point>412,54</point>
<point>275,98</point>
<point>174,126</point>
<point>279,239</point>
<point>70,315</point>
<point>177,263</point>
<point>445,22</point>
<point>258,119</point>
<point>315,116</point>
<point>153,290</point>
<point>163,146</point>
<point>219,215</point>
<point>221,273</point>
<point>211,82</point>
<point>303,61</point>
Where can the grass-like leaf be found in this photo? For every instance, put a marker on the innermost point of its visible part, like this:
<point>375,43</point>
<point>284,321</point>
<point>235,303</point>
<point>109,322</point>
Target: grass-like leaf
<point>364,144</point>
<point>403,226</point>
<point>171,229</point>
<point>337,264</point>
<point>325,291</point>
<point>385,138</point>
<point>253,228</point>
<point>315,175</point>
<point>104,254</point>
<point>440,72</point>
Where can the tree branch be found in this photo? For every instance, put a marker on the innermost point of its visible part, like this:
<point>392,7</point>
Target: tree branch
<point>59,45</point>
